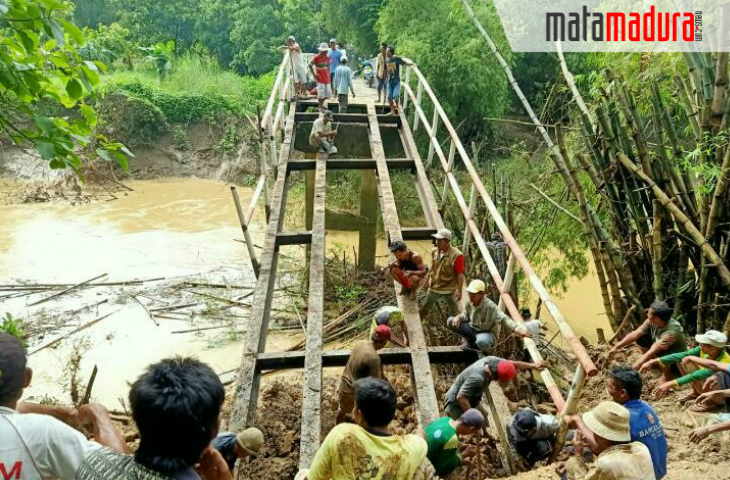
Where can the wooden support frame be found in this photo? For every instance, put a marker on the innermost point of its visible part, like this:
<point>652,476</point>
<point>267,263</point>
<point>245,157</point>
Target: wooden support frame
<point>293,238</point>
<point>355,164</point>
<point>312,386</point>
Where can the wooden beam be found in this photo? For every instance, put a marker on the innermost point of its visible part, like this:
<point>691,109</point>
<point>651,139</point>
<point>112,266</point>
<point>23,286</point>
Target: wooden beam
<point>243,412</point>
<point>388,356</point>
<point>354,164</point>
<point>424,387</point>
<point>348,118</point>
<point>418,233</point>
<point>293,238</point>
<point>312,386</point>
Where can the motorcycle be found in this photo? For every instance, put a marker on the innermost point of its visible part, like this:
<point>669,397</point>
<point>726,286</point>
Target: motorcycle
<point>368,72</point>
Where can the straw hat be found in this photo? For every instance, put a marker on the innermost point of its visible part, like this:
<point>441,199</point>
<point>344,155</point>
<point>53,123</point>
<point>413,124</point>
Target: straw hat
<point>610,421</point>
<point>251,440</point>
<point>323,47</point>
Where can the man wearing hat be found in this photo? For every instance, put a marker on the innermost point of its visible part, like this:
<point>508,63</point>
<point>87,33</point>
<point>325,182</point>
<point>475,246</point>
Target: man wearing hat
<point>659,335</point>
<point>470,385</point>
<point>532,435</point>
<point>299,72</point>
<point>35,445</point>
<point>390,316</point>
<point>478,324</point>
<point>320,68</point>
<point>322,136</point>
<point>443,437</point>
<point>712,347</point>
<point>605,430</point>
<point>446,277</point>
<point>364,362</point>
<point>245,444</point>
<point>343,84</point>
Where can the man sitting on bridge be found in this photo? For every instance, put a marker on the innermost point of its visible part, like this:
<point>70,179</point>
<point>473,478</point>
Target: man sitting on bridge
<point>322,136</point>
<point>478,324</point>
<point>470,385</point>
<point>408,268</point>
<point>442,436</point>
<point>37,441</point>
<point>446,277</point>
<point>367,449</point>
<point>364,362</point>
<point>660,334</point>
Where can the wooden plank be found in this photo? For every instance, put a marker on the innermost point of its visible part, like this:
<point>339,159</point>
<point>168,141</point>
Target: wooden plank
<point>423,185</point>
<point>355,164</point>
<point>293,238</point>
<point>424,388</point>
<point>388,356</point>
<point>499,408</point>
<point>348,118</point>
<point>312,386</point>
<point>243,412</point>
<point>418,233</point>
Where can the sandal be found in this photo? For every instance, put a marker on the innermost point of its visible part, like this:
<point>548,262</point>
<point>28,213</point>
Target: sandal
<point>702,408</point>
<point>690,397</point>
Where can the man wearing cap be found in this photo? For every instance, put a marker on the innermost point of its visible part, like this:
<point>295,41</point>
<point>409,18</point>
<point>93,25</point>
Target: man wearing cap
<point>712,347</point>
<point>446,277</point>
<point>532,434</point>
<point>624,387</point>
<point>659,335</point>
<point>322,136</point>
<point>391,317</point>
<point>606,431</point>
<point>299,72</point>
<point>343,84</point>
<point>408,269</point>
<point>470,385</point>
<point>335,58</point>
<point>320,68</point>
<point>245,444</point>
<point>478,324</point>
<point>443,437</point>
<point>364,362</point>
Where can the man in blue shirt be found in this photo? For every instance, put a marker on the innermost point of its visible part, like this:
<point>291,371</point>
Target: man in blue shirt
<point>335,55</point>
<point>624,386</point>
<point>343,84</point>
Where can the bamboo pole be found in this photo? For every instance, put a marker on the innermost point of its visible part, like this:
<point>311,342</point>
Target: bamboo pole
<point>571,405</point>
<point>246,234</point>
<point>682,219</point>
<point>658,257</point>
<point>64,292</point>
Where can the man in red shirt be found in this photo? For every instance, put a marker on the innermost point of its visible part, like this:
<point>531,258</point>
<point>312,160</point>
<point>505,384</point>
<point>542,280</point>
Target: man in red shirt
<point>446,277</point>
<point>320,68</point>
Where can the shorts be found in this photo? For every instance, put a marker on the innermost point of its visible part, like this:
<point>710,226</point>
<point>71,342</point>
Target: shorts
<point>324,90</point>
<point>300,74</point>
<point>394,91</point>
<point>381,84</point>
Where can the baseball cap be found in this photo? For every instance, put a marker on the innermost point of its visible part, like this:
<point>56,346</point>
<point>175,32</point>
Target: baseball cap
<point>506,370</point>
<point>13,361</point>
<point>333,40</point>
<point>323,47</point>
<point>443,233</point>
<point>476,286</point>
<point>712,337</point>
<point>251,440</point>
<point>610,421</point>
<point>388,313</point>
<point>472,418</point>
<point>382,332</point>
<point>523,421</point>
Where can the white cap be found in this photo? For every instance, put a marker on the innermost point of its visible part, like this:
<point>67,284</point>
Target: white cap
<point>712,337</point>
<point>476,286</point>
<point>442,234</point>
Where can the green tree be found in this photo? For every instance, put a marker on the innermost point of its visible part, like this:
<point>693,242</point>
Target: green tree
<point>258,29</point>
<point>93,13</point>
<point>354,21</point>
<point>39,61</point>
<point>160,21</point>
<point>453,56</point>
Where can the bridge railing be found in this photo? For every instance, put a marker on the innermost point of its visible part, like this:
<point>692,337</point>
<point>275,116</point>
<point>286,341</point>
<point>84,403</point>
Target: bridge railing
<point>478,190</point>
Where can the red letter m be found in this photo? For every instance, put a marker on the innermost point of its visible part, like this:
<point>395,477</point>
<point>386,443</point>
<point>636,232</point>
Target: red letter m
<point>617,27</point>
<point>17,468</point>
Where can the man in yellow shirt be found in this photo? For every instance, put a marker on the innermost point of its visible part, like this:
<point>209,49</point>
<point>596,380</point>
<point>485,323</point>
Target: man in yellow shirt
<point>368,449</point>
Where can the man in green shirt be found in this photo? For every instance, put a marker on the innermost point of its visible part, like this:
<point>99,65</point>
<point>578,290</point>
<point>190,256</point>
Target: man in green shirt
<point>442,436</point>
<point>659,335</point>
<point>711,346</point>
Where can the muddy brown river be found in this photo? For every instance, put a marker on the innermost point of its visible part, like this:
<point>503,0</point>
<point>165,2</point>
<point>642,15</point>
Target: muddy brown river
<point>165,228</point>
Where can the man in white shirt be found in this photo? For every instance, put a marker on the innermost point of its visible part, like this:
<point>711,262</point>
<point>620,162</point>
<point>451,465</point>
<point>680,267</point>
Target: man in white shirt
<point>34,445</point>
<point>322,137</point>
<point>299,71</point>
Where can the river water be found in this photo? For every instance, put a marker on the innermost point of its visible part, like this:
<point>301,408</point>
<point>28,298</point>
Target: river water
<point>164,228</point>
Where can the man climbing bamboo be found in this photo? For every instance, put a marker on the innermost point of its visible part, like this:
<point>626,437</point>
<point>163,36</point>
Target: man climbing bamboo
<point>478,324</point>
<point>446,277</point>
<point>408,269</point>
<point>364,362</point>
<point>712,347</point>
<point>659,335</point>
